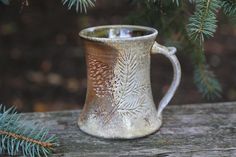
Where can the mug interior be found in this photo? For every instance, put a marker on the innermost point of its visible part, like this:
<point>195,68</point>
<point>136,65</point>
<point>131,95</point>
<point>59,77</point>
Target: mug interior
<point>117,32</point>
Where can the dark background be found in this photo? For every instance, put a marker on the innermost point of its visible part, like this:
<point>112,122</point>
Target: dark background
<point>42,65</point>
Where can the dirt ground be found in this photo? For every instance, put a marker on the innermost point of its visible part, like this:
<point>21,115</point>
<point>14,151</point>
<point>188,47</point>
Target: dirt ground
<point>42,63</point>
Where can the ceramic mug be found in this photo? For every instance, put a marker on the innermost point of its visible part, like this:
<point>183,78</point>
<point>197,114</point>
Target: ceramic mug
<point>119,102</point>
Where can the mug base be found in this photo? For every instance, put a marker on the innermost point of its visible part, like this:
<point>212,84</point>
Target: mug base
<point>117,134</point>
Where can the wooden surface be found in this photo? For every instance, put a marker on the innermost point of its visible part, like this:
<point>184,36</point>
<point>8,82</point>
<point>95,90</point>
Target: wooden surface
<point>198,130</point>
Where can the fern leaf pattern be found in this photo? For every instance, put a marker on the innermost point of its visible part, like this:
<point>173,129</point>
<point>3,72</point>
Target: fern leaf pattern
<point>125,71</point>
<point>131,108</point>
<point>127,101</point>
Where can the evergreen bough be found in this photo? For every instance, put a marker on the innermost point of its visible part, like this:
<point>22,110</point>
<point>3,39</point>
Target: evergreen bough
<point>203,23</point>
<point>81,5</point>
<point>16,138</point>
<point>172,17</point>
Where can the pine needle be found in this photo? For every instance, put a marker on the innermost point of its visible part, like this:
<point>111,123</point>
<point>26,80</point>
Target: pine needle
<point>81,5</point>
<point>203,23</point>
<point>206,82</point>
<point>229,7</point>
<point>17,138</point>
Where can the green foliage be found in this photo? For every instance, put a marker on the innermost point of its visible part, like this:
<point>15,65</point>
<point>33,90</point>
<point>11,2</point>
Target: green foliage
<point>204,78</point>
<point>81,5</point>
<point>206,82</point>
<point>17,138</point>
<point>170,18</point>
<point>229,7</point>
<point>203,23</point>
<point>154,14</point>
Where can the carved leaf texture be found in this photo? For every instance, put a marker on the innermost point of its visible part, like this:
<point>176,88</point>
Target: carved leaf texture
<point>125,82</point>
<point>124,87</point>
<point>131,108</point>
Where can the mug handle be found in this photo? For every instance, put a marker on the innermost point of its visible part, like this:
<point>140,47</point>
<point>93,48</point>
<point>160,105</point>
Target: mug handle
<point>169,52</point>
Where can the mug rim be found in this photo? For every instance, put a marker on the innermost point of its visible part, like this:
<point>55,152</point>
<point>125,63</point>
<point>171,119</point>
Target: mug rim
<point>83,32</point>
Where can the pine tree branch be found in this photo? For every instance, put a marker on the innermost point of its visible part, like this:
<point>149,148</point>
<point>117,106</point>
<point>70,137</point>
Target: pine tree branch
<point>204,79</point>
<point>81,5</point>
<point>203,23</point>
<point>206,82</point>
<point>229,7</point>
<point>25,138</point>
<point>17,138</point>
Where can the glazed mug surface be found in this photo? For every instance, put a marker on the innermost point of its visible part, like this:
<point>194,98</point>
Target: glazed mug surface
<point>119,102</point>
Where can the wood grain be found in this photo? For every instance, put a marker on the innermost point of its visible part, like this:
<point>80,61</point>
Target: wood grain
<point>198,130</point>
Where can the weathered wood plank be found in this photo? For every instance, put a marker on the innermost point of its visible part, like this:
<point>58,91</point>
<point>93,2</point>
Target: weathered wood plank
<point>188,130</point>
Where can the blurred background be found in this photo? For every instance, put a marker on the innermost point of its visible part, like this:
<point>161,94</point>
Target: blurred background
<point>42,64</point>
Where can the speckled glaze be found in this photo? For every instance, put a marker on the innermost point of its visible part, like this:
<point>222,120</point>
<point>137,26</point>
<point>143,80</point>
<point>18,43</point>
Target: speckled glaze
<point>119,102</point>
